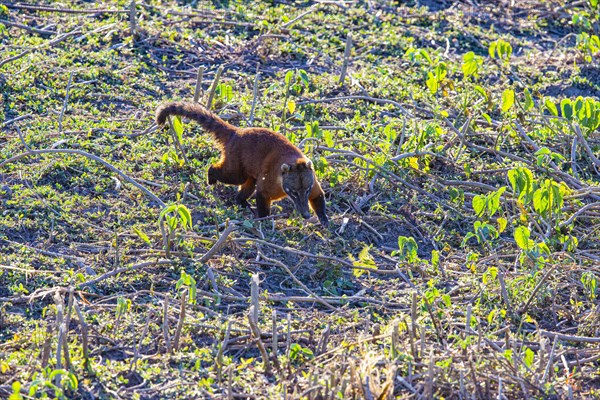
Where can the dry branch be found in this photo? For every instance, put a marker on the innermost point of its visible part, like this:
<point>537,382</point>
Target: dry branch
<point>219,243</point>
<point>346,59</point>
<point>124,269</point>
<point>257,339</point>
<point>302,285</point>
<point>213,87</point>
<point>570,338</point>
<point>27,28</point>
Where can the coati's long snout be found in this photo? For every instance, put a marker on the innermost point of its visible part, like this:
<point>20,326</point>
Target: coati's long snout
<point>258,160</point>
<point>297,181</point>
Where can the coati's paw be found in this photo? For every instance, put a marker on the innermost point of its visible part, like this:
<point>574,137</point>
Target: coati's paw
<point>324,222</point>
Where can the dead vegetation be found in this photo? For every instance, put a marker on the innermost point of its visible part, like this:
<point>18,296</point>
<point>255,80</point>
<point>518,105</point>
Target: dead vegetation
<point>462,184</point>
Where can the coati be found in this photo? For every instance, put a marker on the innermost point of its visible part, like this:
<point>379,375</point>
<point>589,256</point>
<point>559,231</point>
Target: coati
<point>257,159</point>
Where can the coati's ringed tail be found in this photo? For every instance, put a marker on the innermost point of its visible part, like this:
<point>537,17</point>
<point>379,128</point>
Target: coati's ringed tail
<point>206,118</point>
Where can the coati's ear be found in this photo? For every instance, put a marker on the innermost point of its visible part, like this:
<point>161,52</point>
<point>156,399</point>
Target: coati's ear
<point>309,164</point>
<point>285,168</point>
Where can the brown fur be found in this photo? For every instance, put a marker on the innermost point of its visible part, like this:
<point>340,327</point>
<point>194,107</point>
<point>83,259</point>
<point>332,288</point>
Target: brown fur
<point>256,159</point>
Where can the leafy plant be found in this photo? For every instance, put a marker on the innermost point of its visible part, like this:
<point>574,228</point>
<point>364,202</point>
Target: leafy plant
<point>407,250</point>
<point>487,205</point>
<point>589,45</point>
<point>187,281</point>
<point>175,216</point>
<point>508,99</point>
<point>295,82</point>
<point>365,260</point>
<point>590,283</point>
<point>55,380</point>
<point>584,111</point>
<point>224,92</point>
<point>123,306</point>
<point>531,249</point>
<point>483,232</point>
<point>299,354</point>
<point>436,79</point>
<point>500,49</point>
<point>471,64</point>
<point>521,179</point>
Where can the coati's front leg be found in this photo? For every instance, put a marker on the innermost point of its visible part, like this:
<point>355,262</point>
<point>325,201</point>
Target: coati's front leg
<point>245,192</point>
<point>317,203</point>
<point>263,205</point>
<point>214,174</point>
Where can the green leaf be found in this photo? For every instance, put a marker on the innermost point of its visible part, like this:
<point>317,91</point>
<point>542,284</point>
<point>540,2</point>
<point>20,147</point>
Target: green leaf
<point>508,99</point>
<point>502,222</point>
<point>304,77</point>
<point>521,179</point>
<point>73,383</point>
<point>493,201</point>
<point>441,71</point>
<point>186,216</point>
<point>328,136</point>
<point>225,92</point>
<point>566,109</point>
<point>528,359</point>
<point>309,130</point>
<point>490,275</point>
<point>487,118</point>
<point>481,91</point>
<point>505,50</point>
<point>528,100</point>
<point>435,258</point>
<point>407,249</point>
<point>291,105</point>
<point>541,200</point>
<point>521,235</point>
<point>390,133</point>
<point>542,155</point>
<point>365,259</point>
<point>432,83</point>
<point>484,231</point>
<point>142,236</point>
<point>551,107</point>
<point>426,56</point>
<point>479,205</point>
<point>468,236</point>
<point>578,106</point>
<point>492,49</point>
<point>16,391</point>
<point>178,127</point>
<point>288,77</point>
<point>469,66</point>
<point>166,210</point>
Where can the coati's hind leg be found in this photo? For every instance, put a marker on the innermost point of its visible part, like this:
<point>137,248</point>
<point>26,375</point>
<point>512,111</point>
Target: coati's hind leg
<point>263,205</point>
<point>245,192</point>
